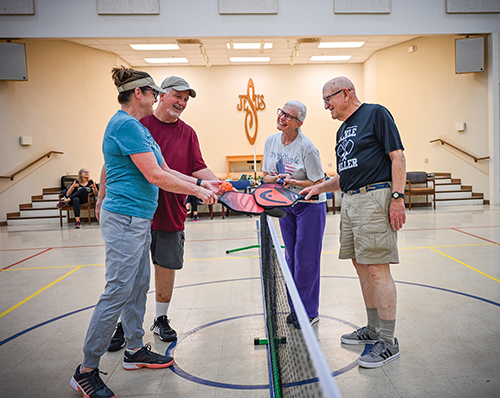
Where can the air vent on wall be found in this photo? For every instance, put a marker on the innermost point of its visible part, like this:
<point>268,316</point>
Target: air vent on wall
<point>188,41</point>
<point>308,40</point>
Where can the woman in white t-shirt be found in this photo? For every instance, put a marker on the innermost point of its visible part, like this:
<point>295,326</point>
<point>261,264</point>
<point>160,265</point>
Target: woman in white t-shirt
<point>303,226</point>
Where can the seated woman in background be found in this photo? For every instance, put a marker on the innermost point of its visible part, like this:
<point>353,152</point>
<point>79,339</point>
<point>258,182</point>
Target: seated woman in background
<point>192,205</point>
<point>77,194</point>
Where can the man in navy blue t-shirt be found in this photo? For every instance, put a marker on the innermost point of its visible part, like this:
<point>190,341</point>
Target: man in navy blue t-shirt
<point>371,175</point>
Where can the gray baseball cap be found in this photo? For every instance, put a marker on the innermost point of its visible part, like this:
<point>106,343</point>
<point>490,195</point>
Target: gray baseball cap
<point>178,84</point>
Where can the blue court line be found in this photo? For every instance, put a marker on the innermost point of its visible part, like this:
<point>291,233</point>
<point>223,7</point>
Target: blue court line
<point>243,279</point>
<point>184,374</point>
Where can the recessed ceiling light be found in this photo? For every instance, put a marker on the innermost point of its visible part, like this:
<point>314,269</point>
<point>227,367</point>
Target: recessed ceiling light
<point>330,57</point>
<point>249,59</point>
<point>341,44</point>
<point>154,47</point>
<point>166,60</point>
<point>249,46</point>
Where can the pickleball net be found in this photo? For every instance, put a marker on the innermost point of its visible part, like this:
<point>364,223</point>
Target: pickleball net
<point>297,367</point>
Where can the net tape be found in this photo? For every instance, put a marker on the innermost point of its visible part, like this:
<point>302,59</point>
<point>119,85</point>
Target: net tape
<point>297,365</point>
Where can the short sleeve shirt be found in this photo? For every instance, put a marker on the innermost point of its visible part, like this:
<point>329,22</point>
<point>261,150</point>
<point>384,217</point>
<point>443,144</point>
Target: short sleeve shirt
<point>128,192</point>
<point>364,142</point>
<point>181,150</point>
<point>301,159</point>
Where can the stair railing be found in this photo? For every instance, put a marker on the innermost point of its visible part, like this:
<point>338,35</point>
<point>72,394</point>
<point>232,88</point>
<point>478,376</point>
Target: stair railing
<point>47,154</point>
<point>443,142</point>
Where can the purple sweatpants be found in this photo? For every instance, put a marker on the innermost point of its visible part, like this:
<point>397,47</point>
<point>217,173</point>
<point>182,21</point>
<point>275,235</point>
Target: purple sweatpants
<point>302,230</point>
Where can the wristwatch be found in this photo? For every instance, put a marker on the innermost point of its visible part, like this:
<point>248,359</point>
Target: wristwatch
<point>397,195</point>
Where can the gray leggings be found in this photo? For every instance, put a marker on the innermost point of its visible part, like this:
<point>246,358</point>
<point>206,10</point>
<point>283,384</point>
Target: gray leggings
<point>127,241</point>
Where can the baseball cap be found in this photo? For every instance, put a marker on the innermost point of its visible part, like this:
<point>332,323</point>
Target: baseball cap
<point>144,82</point>
<point>178,84</point>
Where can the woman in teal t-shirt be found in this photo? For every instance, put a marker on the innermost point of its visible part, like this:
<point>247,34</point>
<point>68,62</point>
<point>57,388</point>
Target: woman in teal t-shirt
<point>133,171</point>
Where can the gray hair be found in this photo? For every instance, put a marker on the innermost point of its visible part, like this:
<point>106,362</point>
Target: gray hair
<point>301,109</point>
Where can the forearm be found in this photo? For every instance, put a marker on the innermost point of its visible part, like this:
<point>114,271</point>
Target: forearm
<point>398,169</point>
<point>102,190</point>
<point>175,182</point>
<point>205,174</point>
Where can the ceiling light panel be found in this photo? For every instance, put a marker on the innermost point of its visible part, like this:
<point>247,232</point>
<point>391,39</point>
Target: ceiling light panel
<point>326,58</point>
<point>249,59</point>
<point>166,60</point>
<point>250,46</point>
<point>341,44</point>
<point>149,47</point>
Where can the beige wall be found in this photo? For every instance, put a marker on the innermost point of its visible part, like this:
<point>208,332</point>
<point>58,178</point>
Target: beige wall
<point>69,99</point>
<point>221,127</point>
<point>427,98</point>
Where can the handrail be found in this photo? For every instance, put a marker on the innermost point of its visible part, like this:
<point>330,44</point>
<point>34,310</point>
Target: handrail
<point>460,150</point>
<point>11,177</point>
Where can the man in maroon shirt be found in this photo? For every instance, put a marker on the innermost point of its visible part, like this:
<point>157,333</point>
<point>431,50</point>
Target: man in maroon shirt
<point>181,150</point>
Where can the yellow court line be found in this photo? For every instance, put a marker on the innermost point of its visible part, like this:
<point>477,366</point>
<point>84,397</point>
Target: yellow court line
<point>52,267</point>
<point>38,292</point>
<point>467,265</point>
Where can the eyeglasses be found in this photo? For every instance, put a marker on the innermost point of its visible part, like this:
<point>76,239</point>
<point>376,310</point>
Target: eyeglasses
<point>287,116</point>
<point>327,99</point>
<point>153,91</point>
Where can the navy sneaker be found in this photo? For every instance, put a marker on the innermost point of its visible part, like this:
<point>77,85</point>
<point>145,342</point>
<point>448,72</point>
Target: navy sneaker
<point>145,358</point>
<point>90,384</point>
<point>162,328</point>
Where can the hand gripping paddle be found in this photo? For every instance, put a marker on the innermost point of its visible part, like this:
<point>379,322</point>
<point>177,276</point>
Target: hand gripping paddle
<point>274,195</point>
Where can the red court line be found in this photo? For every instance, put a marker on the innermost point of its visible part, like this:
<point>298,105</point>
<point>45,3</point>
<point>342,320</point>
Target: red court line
<point>475,236</point>
<point>40,248</point>
<point>19,262</point>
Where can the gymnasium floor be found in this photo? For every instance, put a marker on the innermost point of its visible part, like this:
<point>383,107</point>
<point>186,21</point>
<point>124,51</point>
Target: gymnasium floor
<point>448,311</point>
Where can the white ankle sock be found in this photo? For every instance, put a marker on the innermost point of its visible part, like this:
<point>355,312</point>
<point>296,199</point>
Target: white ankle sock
<point>161,309</point>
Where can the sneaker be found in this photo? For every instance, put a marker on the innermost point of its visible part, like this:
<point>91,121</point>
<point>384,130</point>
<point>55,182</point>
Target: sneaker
<point>118,339</point>
<point>145,358</point>
<point>90,384</point>
<point>78,225</point>
<point>196,218</point>
<point>60,205</point>
<point>292,319</point>
<point>381,353</point>
<point>361,336</point>
<point>162,328</point>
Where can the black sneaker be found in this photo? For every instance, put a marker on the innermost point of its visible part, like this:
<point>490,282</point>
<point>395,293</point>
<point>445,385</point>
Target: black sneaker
<point>90,384</point>
<point>118,339</point>
<point>162,328</point>
<point>291,318</point>
<point>145,358</point>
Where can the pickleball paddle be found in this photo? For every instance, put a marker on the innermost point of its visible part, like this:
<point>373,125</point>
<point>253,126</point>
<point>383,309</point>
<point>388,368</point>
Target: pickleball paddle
<point>241,202</point>
<point>245,203</point>
<point>274,195</point>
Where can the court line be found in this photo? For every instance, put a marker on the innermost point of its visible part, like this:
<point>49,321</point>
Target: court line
<point>467,265</point>
<point>19,262</point>
<point>38,292</point>
<point>55,267</point>
<point>475,236</point>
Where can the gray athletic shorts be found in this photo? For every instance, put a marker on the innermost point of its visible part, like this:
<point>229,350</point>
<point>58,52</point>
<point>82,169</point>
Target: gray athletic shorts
<point>167,249</point>
<point>366,234</point>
